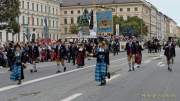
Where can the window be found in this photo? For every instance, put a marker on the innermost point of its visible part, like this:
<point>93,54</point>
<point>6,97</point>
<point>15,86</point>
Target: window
<point>37,7</point>
<point>136,9</point>
<point>41,22</point>
<point>37,21</point>
<point>22,4</point>
<point>72,21</point>
<point>72,12</point>
<point>65,12</point>
<point>128,9</point>
<point>57,24</point>
<point>27,5</point>
<point>53,23</point>
<point>65,21</point>
<point>33,6</point>
<point>45,9</point>
<point>41,8</point>
<point>65,30</point>
<point>49,9</point>
<point>53,11</point>
<point>23,19</point>
<point>57,11</point>
<point>49,23</point>
<point>33,21</point>
<point>79,11</point>
<point>121,9</point>
<point>113,9</point>
<point>28,20</point>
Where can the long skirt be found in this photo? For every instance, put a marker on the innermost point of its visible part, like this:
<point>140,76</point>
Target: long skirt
<point>80,60</point>
<point>17,73</point>
<point>138,58</point>
<point>100,72</point>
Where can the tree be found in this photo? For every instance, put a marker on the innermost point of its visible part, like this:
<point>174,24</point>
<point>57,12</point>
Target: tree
<point>9,9</point>
<point>74,29</point>
<point>137,25</point>
<point>14,26</point>
<point>132,26</point>
<point>117,20</point>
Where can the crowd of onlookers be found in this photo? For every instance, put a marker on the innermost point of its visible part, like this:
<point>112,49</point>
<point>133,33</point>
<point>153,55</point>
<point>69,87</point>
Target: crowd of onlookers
<point>47,51</point>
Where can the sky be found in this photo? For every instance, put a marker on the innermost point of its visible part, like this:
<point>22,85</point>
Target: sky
<point>169,7</point>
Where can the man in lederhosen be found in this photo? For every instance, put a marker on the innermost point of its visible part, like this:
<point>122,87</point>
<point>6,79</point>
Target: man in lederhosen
<point>170,52</point>
<point>61,55</point>
<point>131,52</point>
<point>34,51</point>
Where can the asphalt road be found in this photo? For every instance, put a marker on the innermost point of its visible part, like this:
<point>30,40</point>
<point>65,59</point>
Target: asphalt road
<point>151,82</point>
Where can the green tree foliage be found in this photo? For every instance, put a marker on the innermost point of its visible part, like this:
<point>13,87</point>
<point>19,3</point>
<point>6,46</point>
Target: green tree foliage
<point>133,25</point>
<point>14,26</point>
<point>9,9</point>
<point>74,29</point>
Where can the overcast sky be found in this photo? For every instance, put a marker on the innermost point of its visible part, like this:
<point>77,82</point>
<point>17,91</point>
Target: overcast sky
<point>169,7</point>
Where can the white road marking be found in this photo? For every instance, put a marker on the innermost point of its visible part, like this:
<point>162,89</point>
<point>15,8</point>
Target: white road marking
<point>147,61</point>
<point>8,87</point>
<point>113,77</point>
<point>48,77</point>
<point>161,64</point>
<point>70,98</point>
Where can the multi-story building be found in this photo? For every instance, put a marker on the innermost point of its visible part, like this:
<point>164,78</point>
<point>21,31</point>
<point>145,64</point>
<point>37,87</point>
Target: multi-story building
<point>125,8</point>
<point>173,28</point>
<point>178,32</point>
<point>162,26</point>
<point>159,35</point>
<point>153,20</point>
<point>34,14</point>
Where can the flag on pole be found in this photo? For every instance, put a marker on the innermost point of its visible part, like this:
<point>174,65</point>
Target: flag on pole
<point>46,34</point>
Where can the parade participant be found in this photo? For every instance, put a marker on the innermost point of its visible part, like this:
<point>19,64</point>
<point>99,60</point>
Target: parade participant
<point>2,59</point>
<point>107,60</point>
<point>169,52</point>
<point>80,56</point>
<point>138,57</point>
<point>73,52</point>
<point>61,55</point>
<point>101,64</point>
<point>24,55</point>
<point>35,54</point>
<point>17,72</point>
<point>131,51</point>
<point>10,55</point>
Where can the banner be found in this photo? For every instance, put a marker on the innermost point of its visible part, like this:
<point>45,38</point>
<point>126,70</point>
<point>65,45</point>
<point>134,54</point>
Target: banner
<point>104,21</point>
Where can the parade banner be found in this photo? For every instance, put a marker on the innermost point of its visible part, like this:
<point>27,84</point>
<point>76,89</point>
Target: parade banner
<point>104,21</point>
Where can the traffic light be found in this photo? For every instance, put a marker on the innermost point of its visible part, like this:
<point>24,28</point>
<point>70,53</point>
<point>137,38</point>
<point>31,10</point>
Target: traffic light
<point>91,25</point>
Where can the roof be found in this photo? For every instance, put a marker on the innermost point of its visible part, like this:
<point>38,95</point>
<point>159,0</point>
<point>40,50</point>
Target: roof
<point>90,2</point>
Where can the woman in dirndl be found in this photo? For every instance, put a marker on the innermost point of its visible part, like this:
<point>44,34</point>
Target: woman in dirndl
<point>101,64</point>
<point>80,56</point>
<point>138,56</point>
<point>17,73</point>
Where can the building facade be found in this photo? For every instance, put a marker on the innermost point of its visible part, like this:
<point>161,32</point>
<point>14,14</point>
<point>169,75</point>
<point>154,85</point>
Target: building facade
<point>156,21</point>
<point>178,32</point>
<point>71,10</point>
<point>34,16</point>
